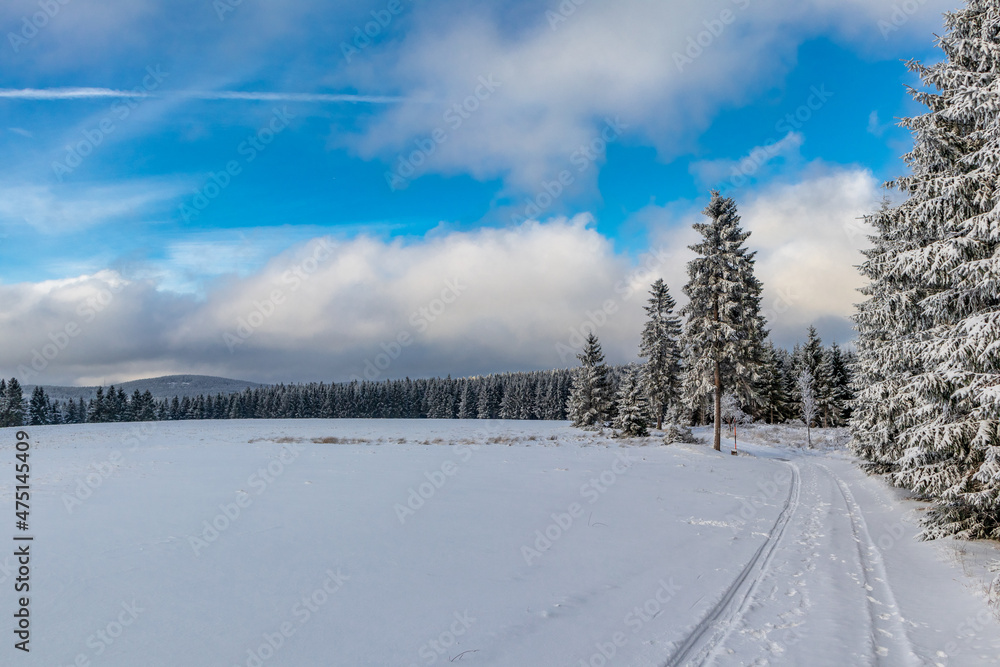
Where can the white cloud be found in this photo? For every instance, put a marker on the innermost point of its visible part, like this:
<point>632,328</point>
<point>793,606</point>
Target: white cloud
<point>753,165</point>
<point>470,302</point>
<point>218,95</point>
<point>55,209</point>
<point>810,235</point>
<point>513,295</point>
<point>663,67</point>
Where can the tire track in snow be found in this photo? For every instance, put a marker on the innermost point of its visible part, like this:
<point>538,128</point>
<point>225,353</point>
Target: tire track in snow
<point>890,643</point>
<point>698,646</point>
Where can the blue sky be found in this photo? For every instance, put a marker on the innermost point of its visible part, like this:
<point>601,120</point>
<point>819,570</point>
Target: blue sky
<point>490,104</point>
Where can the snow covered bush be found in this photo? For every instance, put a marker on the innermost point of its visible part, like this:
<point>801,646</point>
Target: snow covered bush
<point>678,433</point>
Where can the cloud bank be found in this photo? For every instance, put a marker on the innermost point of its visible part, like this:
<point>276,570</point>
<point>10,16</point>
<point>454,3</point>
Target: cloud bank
<point>459,302</point>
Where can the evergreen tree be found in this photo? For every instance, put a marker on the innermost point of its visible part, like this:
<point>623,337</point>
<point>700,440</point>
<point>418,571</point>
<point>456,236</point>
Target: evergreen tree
<point>633,418</point>
<point>54,412</point>
<point>841,374</point>
<point>725,330</point>
<point>97,411</point>
<point>590,400</point>
<point>772,386</point>
<point>14,408</point>
<point>660,345</point>
<point>934,271</point>
<point>466,405</point>
<point>826,392</point>
<point>4,407</point>
<point>38,410</point>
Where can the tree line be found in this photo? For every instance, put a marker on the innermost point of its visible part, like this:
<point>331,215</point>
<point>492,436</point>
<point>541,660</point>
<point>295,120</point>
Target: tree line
<point>528,395</point>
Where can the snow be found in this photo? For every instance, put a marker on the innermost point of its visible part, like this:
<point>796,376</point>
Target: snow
<point>654,554</point>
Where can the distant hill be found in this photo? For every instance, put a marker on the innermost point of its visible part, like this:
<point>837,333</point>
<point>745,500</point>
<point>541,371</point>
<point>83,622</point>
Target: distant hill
<point>162,387</point>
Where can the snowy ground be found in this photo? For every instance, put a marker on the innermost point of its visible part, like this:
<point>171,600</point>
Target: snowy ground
<point>507,543</point>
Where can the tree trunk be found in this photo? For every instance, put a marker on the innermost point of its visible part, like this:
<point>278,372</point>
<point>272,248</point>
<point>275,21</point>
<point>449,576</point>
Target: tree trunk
<point>718,408</point>
<point>659,422</point>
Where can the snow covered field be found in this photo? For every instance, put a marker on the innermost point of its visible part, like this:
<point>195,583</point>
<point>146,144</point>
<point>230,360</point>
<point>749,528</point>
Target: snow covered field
<point>480,543</point>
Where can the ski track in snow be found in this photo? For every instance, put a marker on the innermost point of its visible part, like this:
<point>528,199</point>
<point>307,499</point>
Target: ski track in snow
<point>890,643</point>
<point>697,648</point>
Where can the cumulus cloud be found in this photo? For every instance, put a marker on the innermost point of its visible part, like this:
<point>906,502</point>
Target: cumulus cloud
<point>458,302</point>
<point>810,235</point>
<point>663,67</point>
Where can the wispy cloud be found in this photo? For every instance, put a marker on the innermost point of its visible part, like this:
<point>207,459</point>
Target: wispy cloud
<point>98,93</point>
<point>59,209</point>
<point>20,130</point>
<point>752,165</point>
<point>294,97</point>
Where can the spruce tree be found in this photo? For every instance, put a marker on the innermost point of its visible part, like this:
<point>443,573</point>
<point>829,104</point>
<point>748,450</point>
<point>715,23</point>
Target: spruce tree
<point>660,345</point>
<point>591,400</point>
<point>633,418</point>
<point>725,330</point>
<point>947,284</point>
<point>14,408</point>
<point>841,374</point>
<point>772,388</point>
<point>38,409</point>
<point>826,391</point>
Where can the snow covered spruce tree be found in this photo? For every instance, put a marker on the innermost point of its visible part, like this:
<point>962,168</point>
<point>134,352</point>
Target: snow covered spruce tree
<point>591,402</point>
<point>884,322</point>
<point>934,311</point>
<point>633,418</point>
<point>661,347</point>
<point>725,330</point>
<point>771,386</point>
<point>12,406</point>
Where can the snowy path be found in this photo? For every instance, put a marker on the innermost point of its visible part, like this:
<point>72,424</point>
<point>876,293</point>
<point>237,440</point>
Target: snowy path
<point>712,629</point>
<point>828,572</point>
<point>403,543</point>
